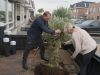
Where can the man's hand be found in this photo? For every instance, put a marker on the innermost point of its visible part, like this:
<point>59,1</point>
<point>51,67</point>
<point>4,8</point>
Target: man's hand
<point>58,31</point>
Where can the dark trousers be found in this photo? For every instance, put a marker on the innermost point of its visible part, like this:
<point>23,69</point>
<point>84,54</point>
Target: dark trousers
<point>85,60</point>
<point>68,47</point>
<point>33,42</point>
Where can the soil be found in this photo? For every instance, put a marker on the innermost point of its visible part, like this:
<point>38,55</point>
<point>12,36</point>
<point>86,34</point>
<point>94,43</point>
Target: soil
<point>46,70</point>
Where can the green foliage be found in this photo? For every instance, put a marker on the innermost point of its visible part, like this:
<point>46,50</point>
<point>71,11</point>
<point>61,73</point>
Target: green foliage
<point>54,43</point>
<point>62,12</point>
<point>37,15</point>
<point>2,13</point>
<point>41,10</point>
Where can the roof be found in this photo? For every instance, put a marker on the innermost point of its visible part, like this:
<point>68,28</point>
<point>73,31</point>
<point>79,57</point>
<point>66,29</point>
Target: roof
<point>81,4</point>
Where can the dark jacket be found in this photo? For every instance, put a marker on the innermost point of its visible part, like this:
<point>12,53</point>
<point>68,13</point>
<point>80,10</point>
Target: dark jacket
<point>38,26</point>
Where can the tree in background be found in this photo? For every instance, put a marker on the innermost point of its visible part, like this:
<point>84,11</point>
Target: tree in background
<point>41,10</point>
<point>62,13</point>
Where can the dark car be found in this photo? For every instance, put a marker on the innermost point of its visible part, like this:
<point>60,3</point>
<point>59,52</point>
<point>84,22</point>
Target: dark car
<point>92,26</point>
<point>78,21</point>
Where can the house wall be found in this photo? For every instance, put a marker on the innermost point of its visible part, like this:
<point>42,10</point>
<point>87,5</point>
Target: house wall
<point>80,9</point>
<point>79,13</point>
<point>94,11</point>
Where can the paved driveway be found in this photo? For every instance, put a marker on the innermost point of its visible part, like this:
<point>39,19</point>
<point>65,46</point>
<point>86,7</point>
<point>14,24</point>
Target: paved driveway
<point>12,65</point>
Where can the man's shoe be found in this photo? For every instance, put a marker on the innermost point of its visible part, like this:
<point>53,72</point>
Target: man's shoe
<point>43,61</point>
<point>46,60</point>
<point>24,66</point>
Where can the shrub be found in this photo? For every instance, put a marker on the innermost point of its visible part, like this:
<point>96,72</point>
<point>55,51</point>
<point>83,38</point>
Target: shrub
<point>54,43</point>
<point>62,12</point>
<point>53,46</point>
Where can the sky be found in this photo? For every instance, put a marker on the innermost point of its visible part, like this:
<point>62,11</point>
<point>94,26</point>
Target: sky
<point>50,5</point>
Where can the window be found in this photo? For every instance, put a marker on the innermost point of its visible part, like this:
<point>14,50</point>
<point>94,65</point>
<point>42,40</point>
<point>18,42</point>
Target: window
<point>25,13</point>
<point>2,11</point>
<point>75,11</point>
<point>10,25</point>
<point>90,10</point>
<point>99,9</point>
<point>96,23</point>
<point>85,4</point>
<point>10,11</point>
<point>94,10</point>
<point>87,22</point>
<point>7,14</point>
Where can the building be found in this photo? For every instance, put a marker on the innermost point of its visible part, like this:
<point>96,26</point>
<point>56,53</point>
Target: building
<point>79,10</point>
<point>15,13</point>
<point>94,11</point>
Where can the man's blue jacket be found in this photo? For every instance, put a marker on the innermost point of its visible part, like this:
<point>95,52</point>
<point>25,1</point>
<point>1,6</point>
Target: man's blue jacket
<point>38,26</point>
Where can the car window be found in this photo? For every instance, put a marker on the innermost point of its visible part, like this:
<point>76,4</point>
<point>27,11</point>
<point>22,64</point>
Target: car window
<point>96,23</point>
<point>87,22</point>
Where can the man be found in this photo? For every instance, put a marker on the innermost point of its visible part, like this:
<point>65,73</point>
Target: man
<point>34,38</point>
<point>83,43</point>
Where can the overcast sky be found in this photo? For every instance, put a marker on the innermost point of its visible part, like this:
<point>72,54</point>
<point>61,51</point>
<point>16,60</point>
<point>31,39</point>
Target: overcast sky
<point>53,4</point>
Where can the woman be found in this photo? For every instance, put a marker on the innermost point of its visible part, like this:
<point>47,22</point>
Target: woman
<point>83,43</point>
